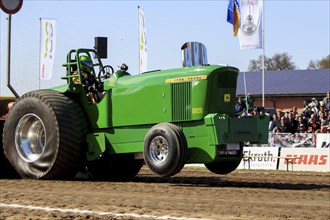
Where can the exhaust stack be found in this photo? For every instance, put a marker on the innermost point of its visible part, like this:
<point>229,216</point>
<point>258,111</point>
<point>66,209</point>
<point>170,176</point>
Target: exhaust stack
<point>193,54</point>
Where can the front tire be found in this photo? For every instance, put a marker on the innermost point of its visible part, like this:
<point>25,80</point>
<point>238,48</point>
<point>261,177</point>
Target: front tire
<point>44,135</point>
<point>165,149</point>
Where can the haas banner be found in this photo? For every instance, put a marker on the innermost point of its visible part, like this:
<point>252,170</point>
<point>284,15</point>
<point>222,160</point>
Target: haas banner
<point>47,48</point>
<point>250,33</point>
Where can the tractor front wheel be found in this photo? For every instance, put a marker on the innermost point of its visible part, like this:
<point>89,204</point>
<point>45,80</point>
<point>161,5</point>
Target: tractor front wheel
<point>165,149</point>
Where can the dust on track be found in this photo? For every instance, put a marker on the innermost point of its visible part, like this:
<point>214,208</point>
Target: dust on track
<point>193,193</point>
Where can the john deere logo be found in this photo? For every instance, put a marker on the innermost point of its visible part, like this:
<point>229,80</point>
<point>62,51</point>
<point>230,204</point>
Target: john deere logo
<point>226,98</point>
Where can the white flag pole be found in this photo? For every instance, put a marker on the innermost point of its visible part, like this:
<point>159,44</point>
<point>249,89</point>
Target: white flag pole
<point>263,53</point>
<point>39,50</point>
<point>245,90</point>
<point>139,40</point>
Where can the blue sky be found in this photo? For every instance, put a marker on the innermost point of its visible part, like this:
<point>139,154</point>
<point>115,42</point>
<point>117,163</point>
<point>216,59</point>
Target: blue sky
<point>300,28</point>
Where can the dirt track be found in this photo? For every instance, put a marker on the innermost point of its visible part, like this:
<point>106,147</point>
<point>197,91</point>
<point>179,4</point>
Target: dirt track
<point>193,193</point>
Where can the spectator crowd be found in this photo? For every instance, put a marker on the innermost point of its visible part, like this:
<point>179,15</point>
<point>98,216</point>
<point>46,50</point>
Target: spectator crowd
<point>314,118</point>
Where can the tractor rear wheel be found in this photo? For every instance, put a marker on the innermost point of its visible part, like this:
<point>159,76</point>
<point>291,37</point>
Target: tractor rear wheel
<point>6,169</point>
<point>44,135</point>
<point>165,149</point>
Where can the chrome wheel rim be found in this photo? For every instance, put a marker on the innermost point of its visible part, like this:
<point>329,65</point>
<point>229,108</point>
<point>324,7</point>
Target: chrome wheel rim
<point>159,149</point>
<point>30,137</point>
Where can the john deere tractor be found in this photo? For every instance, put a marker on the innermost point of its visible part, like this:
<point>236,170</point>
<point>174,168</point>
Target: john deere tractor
<point>110,123</point>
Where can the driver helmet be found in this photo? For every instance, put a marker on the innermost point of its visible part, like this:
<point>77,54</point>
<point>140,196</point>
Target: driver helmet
<point>87,63</point>
<point>123,67</point>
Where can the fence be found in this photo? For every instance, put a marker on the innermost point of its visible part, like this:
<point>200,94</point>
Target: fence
<point>311,150</point>
<point>305,140</point>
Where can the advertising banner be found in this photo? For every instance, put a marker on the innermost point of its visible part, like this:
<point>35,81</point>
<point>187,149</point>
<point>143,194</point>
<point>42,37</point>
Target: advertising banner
<point>310,159</point>
<point>47,48</point>
<point>250,33</point>
<point>260,163</point>
<point>142,42</point>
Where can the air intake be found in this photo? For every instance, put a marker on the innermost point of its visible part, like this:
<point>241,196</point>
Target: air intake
<point>181,101</point>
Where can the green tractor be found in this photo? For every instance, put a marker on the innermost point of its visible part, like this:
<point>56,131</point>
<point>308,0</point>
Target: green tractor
<point>110,122</point>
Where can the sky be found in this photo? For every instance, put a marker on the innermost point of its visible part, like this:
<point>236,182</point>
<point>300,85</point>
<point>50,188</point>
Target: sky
<point>297,27</point>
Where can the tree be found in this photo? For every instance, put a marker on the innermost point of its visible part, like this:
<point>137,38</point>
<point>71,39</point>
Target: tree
<point>280,61</point>
<point>324,63</point>
<point>313,65</point>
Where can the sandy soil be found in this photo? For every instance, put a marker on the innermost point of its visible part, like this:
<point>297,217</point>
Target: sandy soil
<point>193,193</point>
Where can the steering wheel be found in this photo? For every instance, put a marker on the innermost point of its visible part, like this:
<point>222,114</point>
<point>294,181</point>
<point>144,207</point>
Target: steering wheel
<point>105,73</point>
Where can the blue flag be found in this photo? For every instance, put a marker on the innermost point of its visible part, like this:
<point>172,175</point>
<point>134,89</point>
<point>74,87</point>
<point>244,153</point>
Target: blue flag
<point>234,15</point>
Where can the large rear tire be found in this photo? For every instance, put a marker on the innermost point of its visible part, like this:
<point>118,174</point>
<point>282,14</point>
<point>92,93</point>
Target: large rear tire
<point>165,149</point>
<point>44,135</point>
<point>6,169</point>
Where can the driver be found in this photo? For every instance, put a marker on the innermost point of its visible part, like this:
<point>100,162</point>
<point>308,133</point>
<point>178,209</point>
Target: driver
<point>123,70</point>
<point>89,81</point>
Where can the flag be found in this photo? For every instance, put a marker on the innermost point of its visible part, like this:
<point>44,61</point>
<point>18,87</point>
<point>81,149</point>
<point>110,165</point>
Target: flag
<point>142,42</point>
<point>250,33</point>
<point>47,48</point>
<point>234,15</point>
